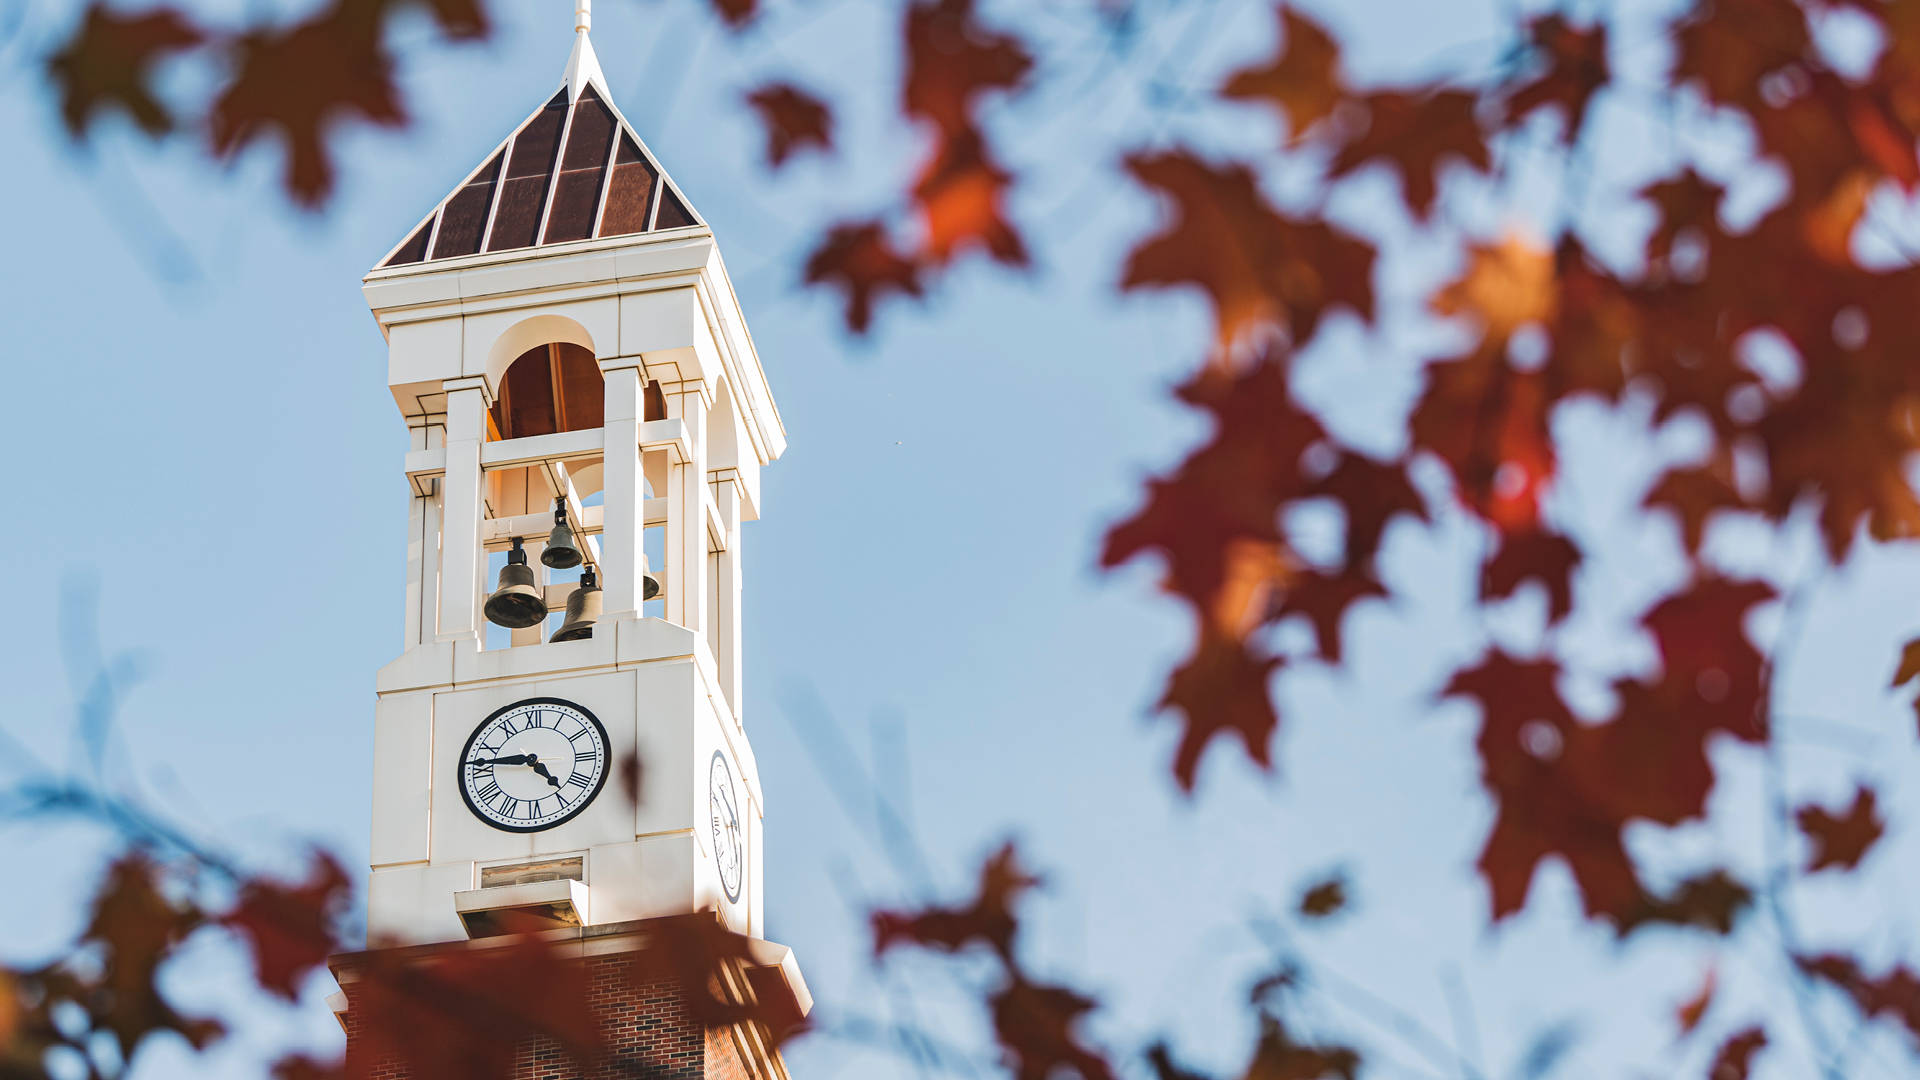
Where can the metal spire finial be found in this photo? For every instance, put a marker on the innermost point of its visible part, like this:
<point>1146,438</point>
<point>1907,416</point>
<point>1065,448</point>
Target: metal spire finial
<point>582,16</point>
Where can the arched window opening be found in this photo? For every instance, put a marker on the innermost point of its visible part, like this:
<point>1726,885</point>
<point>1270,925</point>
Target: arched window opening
<point>549,388</point>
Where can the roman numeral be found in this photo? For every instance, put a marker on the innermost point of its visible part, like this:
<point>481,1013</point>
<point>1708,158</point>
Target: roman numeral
<point>486,794</point>
<point>577,736</point>
<point>507,726</point>
<point>511,808</point>
<point>578,779</point>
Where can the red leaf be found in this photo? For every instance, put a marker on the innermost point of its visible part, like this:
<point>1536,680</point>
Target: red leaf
<point>1324,598</point>
<point>1324,898</point>
<point>290,927</point>
<point>1694,494</point>
<point>1711,901</point>
<point>1841,840</point>
<point>859,258</point>
<point>794,120</point>
<point>137,927</point>
<point>1735,1057</point>
<point>1035,1023</point>
<point>1278,1056</point>
<point>1488,422</point>
<point>952,60</point>
<point>1302,81</point>
<point>109,62</point>
<point>1222,688</point>
<point>988,919</point>
<point>736,13</point>
<point>1256,265</point>
<point>1896,994</point>
<point>1534,758</point>
<point>1414,135</point>
<point>299,84</point>
<point>1730,48</point>
<point>1688,203</point>
<point>463,1012</point>
<point>1536,555</point>
<point>1576,66</point>
<point>1371,493</point>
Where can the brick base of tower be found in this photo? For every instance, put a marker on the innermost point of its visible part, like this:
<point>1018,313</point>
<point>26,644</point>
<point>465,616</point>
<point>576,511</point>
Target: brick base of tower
<point>641,1012</point>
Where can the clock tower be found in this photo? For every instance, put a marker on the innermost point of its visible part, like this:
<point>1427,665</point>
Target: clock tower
<point>560,743</point>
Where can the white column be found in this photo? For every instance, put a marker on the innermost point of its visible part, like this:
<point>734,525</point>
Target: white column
<point>687,512</point>
<point>461,563</point>
<point>726,616</point>
<point>622,556</point>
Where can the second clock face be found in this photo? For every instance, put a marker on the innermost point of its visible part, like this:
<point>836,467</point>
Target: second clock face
<point>534,764</point>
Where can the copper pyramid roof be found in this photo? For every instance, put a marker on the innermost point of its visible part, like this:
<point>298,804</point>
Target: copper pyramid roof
<point>573,170</point>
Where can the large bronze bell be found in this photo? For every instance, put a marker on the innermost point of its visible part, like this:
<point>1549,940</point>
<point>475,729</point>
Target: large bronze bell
<point>583,610</point>
<point>517,602</point>
<point>561,554</point>
<point>649,588</point>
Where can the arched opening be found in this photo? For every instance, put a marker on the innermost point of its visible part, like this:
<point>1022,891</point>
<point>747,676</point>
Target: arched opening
<point>549,388</point>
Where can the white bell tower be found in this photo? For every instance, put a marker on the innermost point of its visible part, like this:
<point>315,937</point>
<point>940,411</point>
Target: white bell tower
<point>561,329</point>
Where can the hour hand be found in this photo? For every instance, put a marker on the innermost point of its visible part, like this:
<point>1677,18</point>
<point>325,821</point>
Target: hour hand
<point>542,770</point>
<point>510,759</point>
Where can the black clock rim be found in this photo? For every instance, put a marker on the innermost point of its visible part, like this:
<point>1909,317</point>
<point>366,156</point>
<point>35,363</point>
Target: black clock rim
<point>733,894</point>
<point>460,775</point>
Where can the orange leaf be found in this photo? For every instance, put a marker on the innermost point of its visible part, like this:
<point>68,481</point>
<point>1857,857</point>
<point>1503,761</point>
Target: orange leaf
<point>1841,840</point>
<point>109,61</point>
<point>1694,1009</point>
<point>1302,81</point>
<point>299,84</point>
<point>860,258</point>
<point>794,120</point>
<point>1506,286</point>
<point>961,194</point>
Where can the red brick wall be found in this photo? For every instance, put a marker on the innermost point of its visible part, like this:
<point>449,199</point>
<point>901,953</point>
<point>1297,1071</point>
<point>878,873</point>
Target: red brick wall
<point>646,1030</point>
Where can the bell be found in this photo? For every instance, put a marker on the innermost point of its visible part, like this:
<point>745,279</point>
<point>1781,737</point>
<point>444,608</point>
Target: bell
<point>560,553</point>
<point>649,588</point>
<point>583,610</point>
<point>517,603</point>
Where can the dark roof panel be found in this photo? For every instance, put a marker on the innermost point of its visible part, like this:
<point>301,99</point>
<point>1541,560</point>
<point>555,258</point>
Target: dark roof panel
<point>601,183</point>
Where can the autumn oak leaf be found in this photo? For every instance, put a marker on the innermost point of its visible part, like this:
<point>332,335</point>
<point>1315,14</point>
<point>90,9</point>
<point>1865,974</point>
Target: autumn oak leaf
<point>1414,135</point>
<point>1895,994</point>
<point>860,258</point>
<point>290,927</point>
<point>1324,599</point>
<point>987,919</point>
<point>1534,555</point>
<point>1257,265</point>
<point>1734,1059</point>
<point>961,195</point>
<point>795,120</point>
<point>1035,1026</point>
<point>1841,840</point>
<point>299,84</point>
<point>1302,81</point>
<point>952,60</point>
<point>1575,67</point>
<point>109,61</point>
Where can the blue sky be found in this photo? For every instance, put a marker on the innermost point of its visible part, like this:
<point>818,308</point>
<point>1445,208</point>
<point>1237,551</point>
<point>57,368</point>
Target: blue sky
<point>203,439</point>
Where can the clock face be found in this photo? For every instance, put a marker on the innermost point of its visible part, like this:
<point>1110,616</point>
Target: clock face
<point>723,807</point>
<point>533,765</point>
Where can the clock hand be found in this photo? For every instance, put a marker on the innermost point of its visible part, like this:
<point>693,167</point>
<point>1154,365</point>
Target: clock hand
<point>511,759</point>
<point>534,761</point>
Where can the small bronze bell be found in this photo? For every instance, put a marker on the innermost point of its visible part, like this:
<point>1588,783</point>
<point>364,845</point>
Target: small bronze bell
<point>517,602</point>
<point>583,610</point>
<point>561,554</point>
<point>649,588</point>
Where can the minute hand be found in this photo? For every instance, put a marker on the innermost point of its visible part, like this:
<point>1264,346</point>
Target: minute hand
<point>511,759</point>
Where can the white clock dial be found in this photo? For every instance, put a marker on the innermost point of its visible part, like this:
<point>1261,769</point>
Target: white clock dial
<point>534,764</point>
<point>729,841</point>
